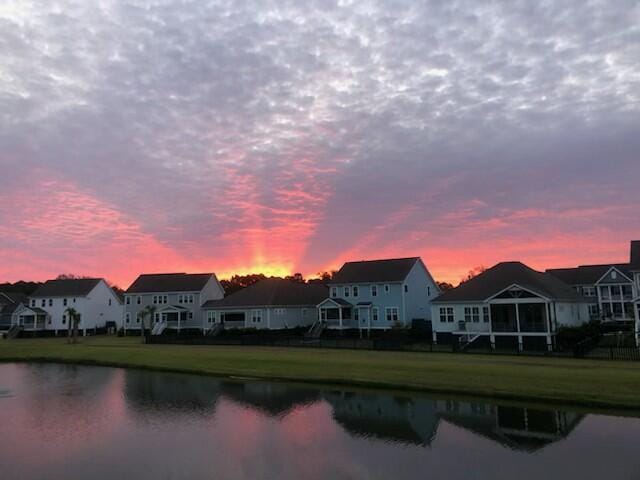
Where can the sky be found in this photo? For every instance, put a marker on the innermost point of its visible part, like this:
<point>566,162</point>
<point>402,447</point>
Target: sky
<point>267,136</point>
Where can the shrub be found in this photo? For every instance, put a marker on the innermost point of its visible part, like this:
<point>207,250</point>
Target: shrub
<point>569,337</point>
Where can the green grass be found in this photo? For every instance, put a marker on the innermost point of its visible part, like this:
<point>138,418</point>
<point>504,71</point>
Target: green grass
<point>591,383</point>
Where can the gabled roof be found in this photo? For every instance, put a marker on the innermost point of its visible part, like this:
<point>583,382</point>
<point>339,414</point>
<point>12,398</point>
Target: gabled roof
<point>170,282</point>
<point>504,275</point>
<point>13,297</point>
<point>634,264</point>
<point>76,287</point>
<point>586,274</point>
<point>391,270</point>
<point>273,292</point>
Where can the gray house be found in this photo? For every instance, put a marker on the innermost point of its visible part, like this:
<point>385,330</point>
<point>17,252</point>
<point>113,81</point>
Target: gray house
<point>176,297</point>
<point>272,304</point>
<point>509,304</point>
<point>9,303</point>
<point>379,294</point>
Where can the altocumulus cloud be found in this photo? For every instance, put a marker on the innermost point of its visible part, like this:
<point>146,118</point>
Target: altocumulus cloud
<point>242,135</point>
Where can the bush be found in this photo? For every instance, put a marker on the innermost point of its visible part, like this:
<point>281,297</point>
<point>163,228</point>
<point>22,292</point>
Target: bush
<point>568,337</point>
<point>120,332</point>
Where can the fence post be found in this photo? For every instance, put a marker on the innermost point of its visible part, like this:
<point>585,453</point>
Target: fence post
<point>611,353</point>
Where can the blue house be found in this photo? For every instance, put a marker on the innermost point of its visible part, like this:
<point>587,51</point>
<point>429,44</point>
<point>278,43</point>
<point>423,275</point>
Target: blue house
<point>379,294</point>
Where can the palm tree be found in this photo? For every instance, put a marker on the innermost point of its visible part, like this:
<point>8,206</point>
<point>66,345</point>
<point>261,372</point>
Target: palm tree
<point>74,320</point>
<point>148,311</point>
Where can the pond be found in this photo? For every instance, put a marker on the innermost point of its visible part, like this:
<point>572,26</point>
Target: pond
<point>75,422</point>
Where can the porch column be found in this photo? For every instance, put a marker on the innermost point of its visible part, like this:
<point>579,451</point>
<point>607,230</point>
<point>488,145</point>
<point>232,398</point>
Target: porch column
<point>179,320</point>
<point>492,337</point>
<point>340,316</point>
<point>518,326</point>
<point>370,313</point>
<point>547,311</point>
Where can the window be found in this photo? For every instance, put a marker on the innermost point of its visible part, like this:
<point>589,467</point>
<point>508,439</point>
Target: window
<point>446,315</point>
<point>49,320</point>
<point>428,291</point>
<point>190,315</point>
<point>356,314</point>
<point>406,289</point>
<point>127,317</point>
<point>589,291</point>
<point>128,300</point>
<point>334,292</point>
<point>51,302</point>
<point>64,319</point>
<point>392,314</point>
<point>485,314</point>
<point>138,300</point>
<point>180,298</point>
<point>374,290</point>
<point>33,303</point>
<point>109,302</point>
<point>280,311</point>
<point>74,300</point>
<point>594,311</point>
<point>471,314</point>
<point>355,291</point>
<point>256,316</point>
<point>347,291</point>
<point>614,275</point>
<point>374,314</point>
<point>43,302</point>
<point>387,288</point>
<point>155,300</point>
<point>64,302</point>
<point>211,316</point>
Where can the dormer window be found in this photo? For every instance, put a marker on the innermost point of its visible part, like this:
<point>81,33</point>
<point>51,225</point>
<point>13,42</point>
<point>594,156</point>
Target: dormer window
<point>355,291</point>
<point>347,291</point>
<point>614,274</point>
<point>334,292</point>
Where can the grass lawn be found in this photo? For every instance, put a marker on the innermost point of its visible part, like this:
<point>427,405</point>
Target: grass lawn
<point>592,383</point>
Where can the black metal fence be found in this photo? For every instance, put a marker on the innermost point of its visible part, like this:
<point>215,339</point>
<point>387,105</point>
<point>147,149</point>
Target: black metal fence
<point>582,350</point>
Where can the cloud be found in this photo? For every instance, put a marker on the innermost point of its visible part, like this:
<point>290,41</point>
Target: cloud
<point>293,136</point>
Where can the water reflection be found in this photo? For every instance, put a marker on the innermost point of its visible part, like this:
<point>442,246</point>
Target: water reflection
<point>89,422</point>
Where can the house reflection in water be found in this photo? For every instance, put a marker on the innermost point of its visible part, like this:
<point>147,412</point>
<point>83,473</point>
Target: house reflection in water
<point>270,398</point>
<point>148,393</point>
<point>518,428</point>
<point>416,420</point>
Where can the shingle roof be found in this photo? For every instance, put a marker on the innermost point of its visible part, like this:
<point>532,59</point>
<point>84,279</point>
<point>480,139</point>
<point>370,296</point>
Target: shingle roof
<point>273,292</point>
<point>634,264</point>
<point>391,270</point>
<point>13,297</point>
<point>169,282</point>
<point>586,274</point>
<point>502,276</point>
<point>77,287</point>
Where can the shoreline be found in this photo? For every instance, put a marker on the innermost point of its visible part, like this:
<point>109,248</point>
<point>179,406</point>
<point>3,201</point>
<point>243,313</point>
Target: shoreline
<point>605,385</point>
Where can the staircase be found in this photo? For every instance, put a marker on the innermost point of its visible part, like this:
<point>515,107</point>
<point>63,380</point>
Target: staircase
<point>316,330</point>
<point>464,345</point>
<point>14,331</point>
<point>158,328</point>
<point>215,330</point>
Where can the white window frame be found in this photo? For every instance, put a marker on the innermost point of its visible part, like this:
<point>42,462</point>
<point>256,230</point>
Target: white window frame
<point>138,300</point>
<point>347,291</point>
<point>256,316</point>
<point>447,315</point>
<point>374,290</point>
<point>375,314</point>
<point>406,288</point>
<point>334,292</point>
<point>485,314</point>
<point>127,317</point>
<point>392,314</point>
<point>211,316</point>
<point>355,291</point>
<point>387,288</point>
<point>128,300</point>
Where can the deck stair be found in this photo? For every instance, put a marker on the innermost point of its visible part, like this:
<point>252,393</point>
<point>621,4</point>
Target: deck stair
<point>316,330</point>
<point>215,330</point>
<point>467,341</point>
<point>158,328</point>
<point>14,331</point>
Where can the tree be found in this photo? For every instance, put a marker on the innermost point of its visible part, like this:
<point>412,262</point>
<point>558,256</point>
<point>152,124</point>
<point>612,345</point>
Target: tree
<point>238,282</point>
<point>148,311</point>
<point>474,273</point>
<point>72,328</point>
<point>444,286</point>
<point>326,276</point>
<point>296,277</point>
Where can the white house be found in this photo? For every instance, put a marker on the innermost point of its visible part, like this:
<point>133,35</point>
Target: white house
<point>176,297</point>
<point>379,294</point>
<point>92,298</point>
<point>272,304</point>
<point>634,268</point>
<point>509,304</point>
<point>9,303</point>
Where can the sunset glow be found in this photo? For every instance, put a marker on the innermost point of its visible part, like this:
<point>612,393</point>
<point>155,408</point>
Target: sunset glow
<point>240,138</point>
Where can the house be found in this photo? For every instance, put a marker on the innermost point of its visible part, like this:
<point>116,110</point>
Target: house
<point>634,268</point>
<point>176,297</point>
<point>272,303</point>
<point>379,294</point>
<point>47,308</point>
<point>509,304</point>
<point>9,303</point>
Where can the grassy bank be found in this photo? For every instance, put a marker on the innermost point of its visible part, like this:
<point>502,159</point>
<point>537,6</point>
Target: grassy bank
<point>607,384</point>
